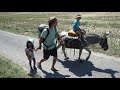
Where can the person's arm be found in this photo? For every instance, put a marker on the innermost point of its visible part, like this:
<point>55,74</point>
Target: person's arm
<point>40,42</point>
<point>43,35</point>
<point>59,38</point>
<point>26,51</point>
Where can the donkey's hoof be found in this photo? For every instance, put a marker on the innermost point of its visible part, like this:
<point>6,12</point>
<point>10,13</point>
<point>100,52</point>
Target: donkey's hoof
<point>66,58</point>
<point>87,59</point>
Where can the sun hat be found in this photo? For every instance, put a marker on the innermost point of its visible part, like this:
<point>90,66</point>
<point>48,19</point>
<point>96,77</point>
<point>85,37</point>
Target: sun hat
<point>52,19</point>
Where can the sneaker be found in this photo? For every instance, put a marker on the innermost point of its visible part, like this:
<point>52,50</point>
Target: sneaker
<point>31,70</point>
<point>35,68</point>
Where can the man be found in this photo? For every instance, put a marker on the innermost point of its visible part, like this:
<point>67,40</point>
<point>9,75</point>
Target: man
<point>49,45</point>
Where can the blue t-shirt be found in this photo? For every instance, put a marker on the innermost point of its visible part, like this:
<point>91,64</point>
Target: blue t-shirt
<point>75,24</point>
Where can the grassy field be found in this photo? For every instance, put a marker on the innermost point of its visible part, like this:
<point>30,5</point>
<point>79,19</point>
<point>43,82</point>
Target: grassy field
<point>26,23</point>
<point>10,70</point>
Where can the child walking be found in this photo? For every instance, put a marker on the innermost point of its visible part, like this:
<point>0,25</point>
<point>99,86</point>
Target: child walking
<point>29,50</point>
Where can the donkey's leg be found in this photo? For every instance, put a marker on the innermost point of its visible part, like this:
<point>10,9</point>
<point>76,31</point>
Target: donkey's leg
<point>80,51</point>
<point>89,53</point>
<point>63,49</point>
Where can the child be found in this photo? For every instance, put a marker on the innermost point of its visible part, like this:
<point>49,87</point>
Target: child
<point>76,28</point>
<point>30,54</point>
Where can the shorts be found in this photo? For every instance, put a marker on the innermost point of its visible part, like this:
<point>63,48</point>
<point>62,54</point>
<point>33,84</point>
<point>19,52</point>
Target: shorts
<point>47,53</point>
<point>75,30</point>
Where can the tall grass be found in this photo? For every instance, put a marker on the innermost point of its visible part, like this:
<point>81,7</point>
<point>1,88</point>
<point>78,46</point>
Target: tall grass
<point>26,23</point>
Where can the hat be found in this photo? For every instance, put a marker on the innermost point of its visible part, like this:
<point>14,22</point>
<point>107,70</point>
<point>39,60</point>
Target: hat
<point>52,19</point>
<point>78,16</point>
<point>31,40</point>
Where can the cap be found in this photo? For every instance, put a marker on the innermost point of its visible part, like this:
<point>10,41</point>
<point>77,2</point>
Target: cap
<point>31,40</point>
<point>78,16</point>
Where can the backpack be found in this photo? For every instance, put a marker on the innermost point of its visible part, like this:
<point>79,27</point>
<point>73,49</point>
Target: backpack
<point>41,27</point>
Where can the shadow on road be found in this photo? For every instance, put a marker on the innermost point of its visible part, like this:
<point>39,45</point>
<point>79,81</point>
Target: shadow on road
<point>81,69</point>
<point>54,75</point>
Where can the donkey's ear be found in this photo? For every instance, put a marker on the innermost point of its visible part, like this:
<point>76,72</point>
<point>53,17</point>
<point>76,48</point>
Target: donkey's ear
<point>107,33</point>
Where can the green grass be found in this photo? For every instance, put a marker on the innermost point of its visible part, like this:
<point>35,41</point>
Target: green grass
<point>8,69</point>
<point>11,70</point>
<point>26,23</point>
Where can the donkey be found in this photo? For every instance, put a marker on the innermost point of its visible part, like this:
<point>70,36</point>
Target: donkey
<point>90,38</point>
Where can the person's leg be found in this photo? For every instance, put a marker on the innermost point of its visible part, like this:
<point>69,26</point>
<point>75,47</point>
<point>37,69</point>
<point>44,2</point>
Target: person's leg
<point>83,32</point>
<point>34,64</point>
<point>82,35</point>
<point>34,61</point>
<point>54,54</point>
<point>53,64</point>
<point>83,40</point>
<point>31,69</point>
<point>30,63</point>
<point>39,63</point>
<point>79,35</point>
<point>46,55</point>
<point>29,55</point>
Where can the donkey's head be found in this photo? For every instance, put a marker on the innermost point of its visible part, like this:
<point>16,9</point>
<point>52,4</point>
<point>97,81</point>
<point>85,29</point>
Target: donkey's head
<point>103,42</point>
